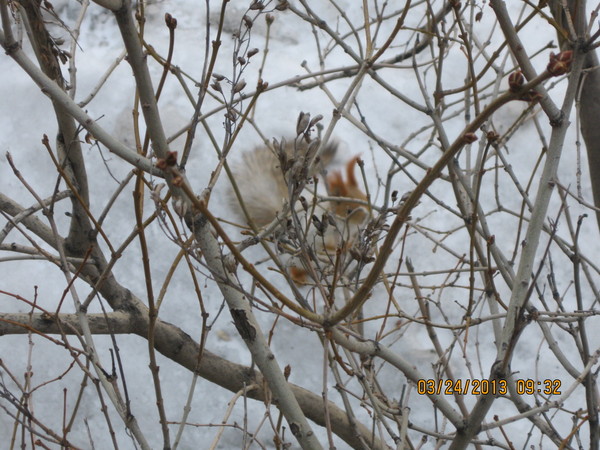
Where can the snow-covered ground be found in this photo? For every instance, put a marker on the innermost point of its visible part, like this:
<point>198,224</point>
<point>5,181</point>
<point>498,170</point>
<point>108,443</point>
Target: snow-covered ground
<point>26,114</point>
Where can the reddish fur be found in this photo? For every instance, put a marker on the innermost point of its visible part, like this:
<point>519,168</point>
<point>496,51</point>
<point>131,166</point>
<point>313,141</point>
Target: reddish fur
<point>300,276</point>
<point>338,187</point>
<point>350,172</point>
<point>349,189</point>
<point>336,184</point>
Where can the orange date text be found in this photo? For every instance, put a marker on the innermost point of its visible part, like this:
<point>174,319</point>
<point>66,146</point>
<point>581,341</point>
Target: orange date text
<point>461,387</point>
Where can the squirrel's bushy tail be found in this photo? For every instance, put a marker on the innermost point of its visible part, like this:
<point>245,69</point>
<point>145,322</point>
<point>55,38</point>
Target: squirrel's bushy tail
<point>261,182</point>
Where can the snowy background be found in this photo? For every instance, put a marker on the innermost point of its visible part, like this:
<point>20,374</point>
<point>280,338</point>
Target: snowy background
<point>26,114</point>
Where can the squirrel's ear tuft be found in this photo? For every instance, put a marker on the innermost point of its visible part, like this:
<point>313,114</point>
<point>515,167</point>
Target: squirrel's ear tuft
<point>349,188</point>
<point>352,183</point>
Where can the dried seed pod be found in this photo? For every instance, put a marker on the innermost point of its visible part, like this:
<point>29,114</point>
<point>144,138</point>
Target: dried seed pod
<point>252,52</point>
<point>324,222</point>
<point>515,81</point>
<point>257,5</point>
<point>269,19</point>
<point>368,259</point>
<point>241,60</point>
<point>239,86</point>
<point>561,63</point>
<point>247,21</point>
<point>355,254</point>
<point>318,225</point>
<point>216,86</point>
<point>331,219</point>
<point>231,115</point>
<point>284,162</point>
<point>316,119</point>
<point>302,124</point>
<point>282,5</point>
<point>304,203</point>
<point>218,76</point>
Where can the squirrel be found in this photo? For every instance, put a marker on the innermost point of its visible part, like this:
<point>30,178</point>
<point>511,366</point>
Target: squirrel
<point>271,181</point>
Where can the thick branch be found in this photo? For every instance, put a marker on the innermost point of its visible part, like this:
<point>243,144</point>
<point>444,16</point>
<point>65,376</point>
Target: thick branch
<point>250,331</point>
<point>520,292</point>
<point>55,93</point>
<point>181,348</point>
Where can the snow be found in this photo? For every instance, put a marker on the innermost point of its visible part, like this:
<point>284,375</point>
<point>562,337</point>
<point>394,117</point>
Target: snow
<point>26,114</point>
